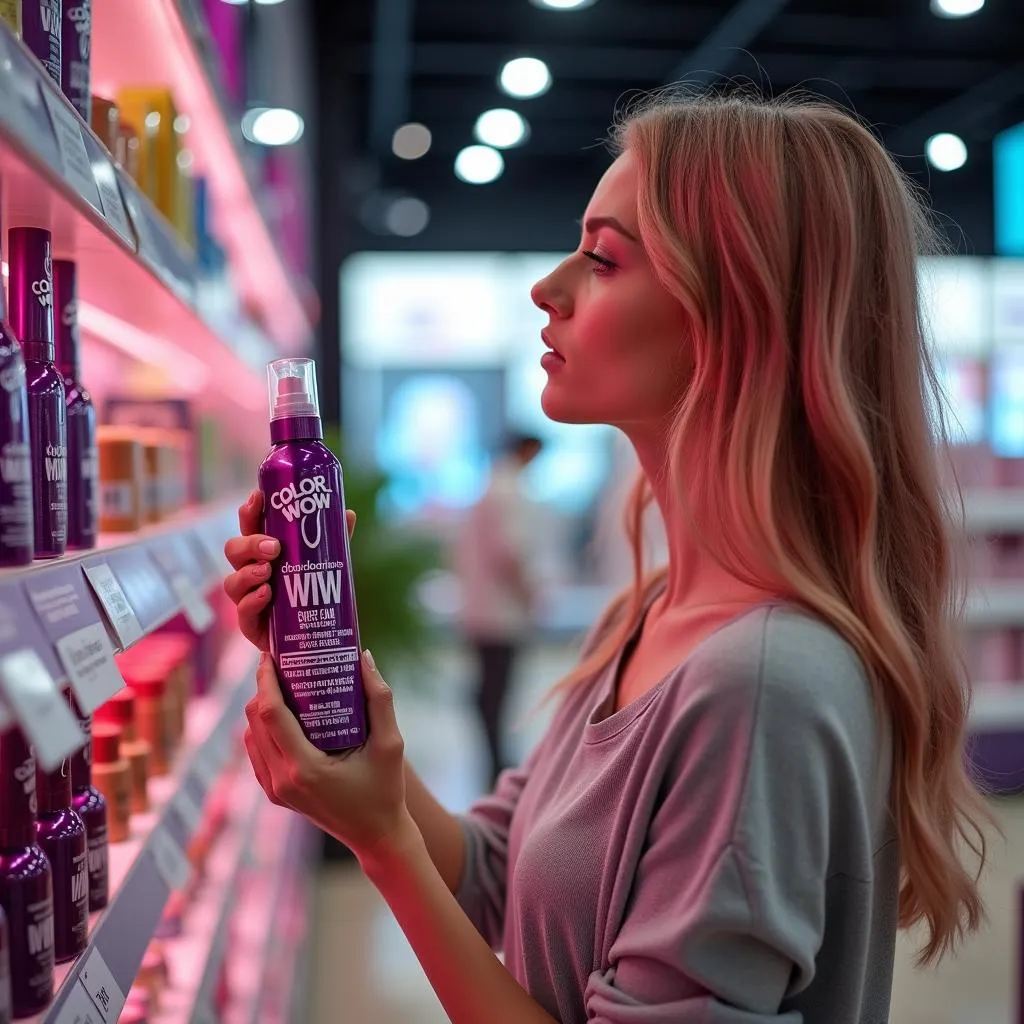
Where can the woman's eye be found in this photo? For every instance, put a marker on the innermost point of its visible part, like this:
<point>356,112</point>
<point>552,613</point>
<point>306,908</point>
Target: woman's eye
<point>603,264</point>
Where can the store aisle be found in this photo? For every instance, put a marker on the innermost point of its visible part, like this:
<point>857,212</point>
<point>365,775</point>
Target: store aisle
<point>365,973</point>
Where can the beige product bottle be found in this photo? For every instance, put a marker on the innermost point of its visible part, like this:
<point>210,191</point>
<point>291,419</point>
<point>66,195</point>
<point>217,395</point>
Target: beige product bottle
<point>120,711</point>
<point>112,777</point>
<point>122,476</point>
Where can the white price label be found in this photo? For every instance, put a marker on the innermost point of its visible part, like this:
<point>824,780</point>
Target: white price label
<point>102,987</point>
<point>78,1008</point>
<point>74,157</point>
<point>40,707</point>
<point>171,860</point>
<point>88,658</point>
<point>115,604</point>
<point>111,200</point>
<point>191,812</point>
<point>195,606</point>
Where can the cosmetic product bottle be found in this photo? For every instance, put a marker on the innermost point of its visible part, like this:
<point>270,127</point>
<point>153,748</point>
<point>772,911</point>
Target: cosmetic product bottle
<point>314,633</point>
<point>26,885</point>
<point>91,806</point>
<point>31,292</point>
<point>120,711</point>
<point>122,480</point>
<point>16,535</point>
<point>40,31</point>
<point>153,715</point>
<point>6,1006</point>
<point>111,776</point>
<point>10,14</point>
<point>61,834</point>
<point>75,54</point>
<point>83,458</point>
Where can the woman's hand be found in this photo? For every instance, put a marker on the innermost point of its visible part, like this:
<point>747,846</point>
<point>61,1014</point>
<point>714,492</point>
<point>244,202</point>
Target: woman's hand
<point>250,556</point>
<point>358,797</point>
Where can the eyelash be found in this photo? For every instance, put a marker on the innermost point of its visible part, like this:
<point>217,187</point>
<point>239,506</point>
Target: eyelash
<point>604,265</point>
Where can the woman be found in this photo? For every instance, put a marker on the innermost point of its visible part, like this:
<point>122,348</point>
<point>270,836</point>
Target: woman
<point>755,773</point>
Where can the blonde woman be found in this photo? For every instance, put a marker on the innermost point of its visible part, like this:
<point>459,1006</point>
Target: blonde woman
<point>755,774</point>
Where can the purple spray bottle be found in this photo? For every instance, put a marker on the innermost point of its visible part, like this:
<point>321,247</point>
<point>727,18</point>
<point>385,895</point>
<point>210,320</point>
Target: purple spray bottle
<point>314,633</point>
<point>61,834</point>
<point>91,807</point>
<point>31,286</point>
<point>16,535</point>
<point>26,886</point>
<point>83,457</point>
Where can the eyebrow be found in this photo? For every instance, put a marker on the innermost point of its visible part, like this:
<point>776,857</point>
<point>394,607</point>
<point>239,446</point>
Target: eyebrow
<point>593,224</point>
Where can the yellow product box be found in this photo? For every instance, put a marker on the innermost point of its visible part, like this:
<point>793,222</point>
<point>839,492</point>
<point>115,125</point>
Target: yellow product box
<point>151,112</point>
<point>10,13</point>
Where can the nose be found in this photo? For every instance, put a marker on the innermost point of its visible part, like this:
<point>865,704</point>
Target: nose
<point>550,295</point>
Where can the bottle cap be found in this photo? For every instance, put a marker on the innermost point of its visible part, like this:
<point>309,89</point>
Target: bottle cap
<point>54,788</point>
<point>31,291</point>
<point>106,743</point>
<point>65,318</point>
<point>119,710</point>
<point>18,798</point>
<point>292,385</point>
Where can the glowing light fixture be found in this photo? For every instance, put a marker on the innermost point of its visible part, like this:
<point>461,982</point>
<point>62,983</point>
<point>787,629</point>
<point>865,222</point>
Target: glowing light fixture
<point>501,128</point>
<point>946,151</point>
<point>479,165</point>
<point>411,141</point>
<point>956,8</point>
<point>563,5</point>
<point>525,77</point>
<point>407,217</point>
<point>272,126</point>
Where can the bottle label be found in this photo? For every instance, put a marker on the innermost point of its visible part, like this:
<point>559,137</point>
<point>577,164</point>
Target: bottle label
<point>16,497</point>
<point>117,499</point>
<point>56,462</point>
<point>40,929</point>
<point>99,884</point>
<point>80,898</point>
<point>25,773</point>
<point>313,614</point>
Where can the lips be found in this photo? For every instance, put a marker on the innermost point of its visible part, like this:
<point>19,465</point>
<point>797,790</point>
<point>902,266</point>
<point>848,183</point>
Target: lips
<point>547,341</point>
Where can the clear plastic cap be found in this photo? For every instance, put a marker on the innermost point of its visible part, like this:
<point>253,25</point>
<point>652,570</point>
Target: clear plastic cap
<point>292,385</point>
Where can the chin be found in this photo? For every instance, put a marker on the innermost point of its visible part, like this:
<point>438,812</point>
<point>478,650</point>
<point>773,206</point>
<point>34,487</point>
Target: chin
<point>562,408</point>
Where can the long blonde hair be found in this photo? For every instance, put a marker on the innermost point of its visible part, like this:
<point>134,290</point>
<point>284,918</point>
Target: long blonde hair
<point>790,238</point>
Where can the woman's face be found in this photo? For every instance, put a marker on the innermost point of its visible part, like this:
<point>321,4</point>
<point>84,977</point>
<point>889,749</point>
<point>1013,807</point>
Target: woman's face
<point>616,337</point>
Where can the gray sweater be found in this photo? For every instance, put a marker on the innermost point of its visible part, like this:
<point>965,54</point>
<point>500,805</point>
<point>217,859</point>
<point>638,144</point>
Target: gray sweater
<point>720,851</point>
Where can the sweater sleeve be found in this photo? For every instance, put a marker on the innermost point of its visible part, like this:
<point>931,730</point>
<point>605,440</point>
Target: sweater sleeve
<point>727,912</point>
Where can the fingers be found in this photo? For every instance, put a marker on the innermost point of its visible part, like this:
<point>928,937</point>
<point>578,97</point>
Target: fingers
<point>246,580</point>
<point>241,551</point>
<point>250,513</point>
<point>350,520</point>
<point>252,616</point>
<point>385,735</point>
<point>275,720</point>
<point>259,766</point>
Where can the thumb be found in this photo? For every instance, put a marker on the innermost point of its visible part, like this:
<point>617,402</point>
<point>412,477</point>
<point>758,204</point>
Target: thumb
<point>380,703</point>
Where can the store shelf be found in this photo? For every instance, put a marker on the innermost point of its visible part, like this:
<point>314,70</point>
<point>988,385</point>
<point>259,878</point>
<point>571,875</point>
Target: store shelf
<point>137,283</point>
<point>145,870</point>
<point>995,605</point>
<point>162,41</point>
<point>994,513</point>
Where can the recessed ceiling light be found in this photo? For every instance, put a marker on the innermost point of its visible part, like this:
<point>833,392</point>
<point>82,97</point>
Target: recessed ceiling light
<point>946,151</point>
<point>525,77</point>
<point>272,126</point>
<point>956,8</point>
<point>563,5</point>
<point>411,141</point>
<point>479,165</point>
<point>501,128</point>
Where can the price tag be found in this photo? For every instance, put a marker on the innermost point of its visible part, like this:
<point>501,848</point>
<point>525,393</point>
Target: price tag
<point>102,987</point>
<point>88,658</point>
<point>115,604</point>
<point>191,812</point>
<point>74,157</point>
<point>110,198</point>
<point>40,707</point>
<point>195,606</point>
<point>78,1008</point>
<point>170,858</point>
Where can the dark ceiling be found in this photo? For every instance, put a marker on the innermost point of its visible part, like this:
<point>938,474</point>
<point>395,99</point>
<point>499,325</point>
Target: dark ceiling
<point>901,68</point>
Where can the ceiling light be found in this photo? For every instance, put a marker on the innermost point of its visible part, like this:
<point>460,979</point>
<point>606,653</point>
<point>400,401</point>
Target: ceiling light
<point>500,128</point>
<point>411,141</point>
<point>563,5</point>
<point>525,77</point>
<point>272,126</point>
<point>407,216</point>
<point>956,8</point>
<point>479,165</point>
<point>946,151</point>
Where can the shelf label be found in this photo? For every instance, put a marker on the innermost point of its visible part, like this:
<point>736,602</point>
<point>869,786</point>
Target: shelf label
<point>197,610</point>
<point>78,1008</point>
<point>111,200</point>
<point>40,707</point>
<point>74,157</point>
<point>102,987</point>
<point>190,812</point>
<point>88,658</point>
<point>121,614</point>
<point>170,858</point>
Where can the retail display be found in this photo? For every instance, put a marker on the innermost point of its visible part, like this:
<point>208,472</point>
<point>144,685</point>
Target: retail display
<point>91,806</point>
<point>122,485</point>
<point>120,712</point>
<point>112,777</point>
<point>314,633</point>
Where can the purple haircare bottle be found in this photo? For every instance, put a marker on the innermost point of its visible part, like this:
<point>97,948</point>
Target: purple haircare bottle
<point>31,287</point>
<point>61,835</point>
<point>26,887</point>
<point>16,535</point>
<point>6,1009</point>
<point>83,458</point>
<point>40,31</point>
<point>314,633</point>
<point>75,54</point>
<point>91,806</point>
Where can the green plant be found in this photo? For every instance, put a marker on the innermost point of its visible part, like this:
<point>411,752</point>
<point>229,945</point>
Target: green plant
<point>389,563</point>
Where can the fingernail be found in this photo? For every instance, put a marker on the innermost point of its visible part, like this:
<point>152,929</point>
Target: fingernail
<point>263,658</point>
<point>252,500</point>
<point>261,569</point>
<point>269,547</point>
<point>370,663</point>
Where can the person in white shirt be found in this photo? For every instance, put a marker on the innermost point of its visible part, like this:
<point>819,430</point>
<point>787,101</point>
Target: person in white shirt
<point>492,560</point>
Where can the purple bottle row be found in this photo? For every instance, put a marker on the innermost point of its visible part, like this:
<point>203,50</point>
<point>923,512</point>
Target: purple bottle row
<point>59,33</point>
<point>48,459</point>
<point>53,868</point>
